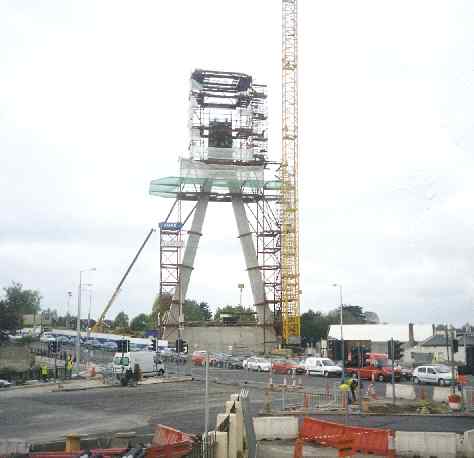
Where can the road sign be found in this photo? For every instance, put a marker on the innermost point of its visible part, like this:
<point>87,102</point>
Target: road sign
<point>170,226</point>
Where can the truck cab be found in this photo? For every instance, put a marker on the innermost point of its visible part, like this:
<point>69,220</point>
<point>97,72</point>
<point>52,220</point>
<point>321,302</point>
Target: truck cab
<point>377,367</point>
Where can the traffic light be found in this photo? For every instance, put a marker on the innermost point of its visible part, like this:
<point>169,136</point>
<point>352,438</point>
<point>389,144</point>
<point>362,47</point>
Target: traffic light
<point>391,343</point>
<point>397,350</point>
<point>123,346</point>
<point>337,350</point>
<point>455,345</point>
<point>181,346</point>
<point>154,345</point>
<point>355,356</point>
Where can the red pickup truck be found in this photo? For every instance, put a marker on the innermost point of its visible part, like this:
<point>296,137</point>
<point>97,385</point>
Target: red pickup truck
<point>376,367</point>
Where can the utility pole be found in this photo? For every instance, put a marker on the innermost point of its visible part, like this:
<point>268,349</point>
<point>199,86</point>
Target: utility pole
<point>392,343</point>
<point>342,336</point>
<point>453,375</point>
<point>206,401</point>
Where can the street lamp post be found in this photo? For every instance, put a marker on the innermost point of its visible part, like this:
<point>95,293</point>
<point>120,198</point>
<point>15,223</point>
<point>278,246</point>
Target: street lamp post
<point>78,323</point>
<point>68,318</point>
<point>336,285</point>
<point>241,287</point>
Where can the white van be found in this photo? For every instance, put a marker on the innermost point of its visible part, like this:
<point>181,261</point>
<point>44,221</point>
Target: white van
<point>149,363</point>
<point>322,366</point>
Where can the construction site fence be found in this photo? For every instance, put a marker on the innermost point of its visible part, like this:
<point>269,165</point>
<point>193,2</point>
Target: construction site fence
<point>21,377</point>
<point>351,439</point>
<point>468,398</point>
<point>324,400</point>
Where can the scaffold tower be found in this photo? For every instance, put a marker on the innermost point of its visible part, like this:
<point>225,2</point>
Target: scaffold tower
<point>289,211</point>
<point>227,161</point>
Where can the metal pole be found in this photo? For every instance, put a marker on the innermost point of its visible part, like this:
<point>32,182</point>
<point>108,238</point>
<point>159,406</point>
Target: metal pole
<point>206,399</point>
<point>392,343</point>
<point>453,383</point>
<point>342,336</point>
<point>78,325</point>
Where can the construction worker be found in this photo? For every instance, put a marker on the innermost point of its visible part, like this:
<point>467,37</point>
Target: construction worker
<point>68,365</point>
<point>44,370</point>
<point>353,385</point>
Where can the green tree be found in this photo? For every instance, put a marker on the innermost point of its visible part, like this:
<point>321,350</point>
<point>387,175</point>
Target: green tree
<point>206,313</point>
<point>23,301</point>
<point>141,322</point>
<point>10,319</point>
<point>351,314</point>
<point>121,321</point>
<point>314,326</point>
<point>242,313</point>
<point>193,311</point>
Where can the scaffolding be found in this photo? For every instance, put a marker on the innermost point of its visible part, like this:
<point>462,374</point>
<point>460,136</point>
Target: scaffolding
<point>227,162</point>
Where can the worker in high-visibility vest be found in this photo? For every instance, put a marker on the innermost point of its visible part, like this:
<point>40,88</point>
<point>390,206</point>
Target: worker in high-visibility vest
<point>69,365</point>
<point>44,370</point>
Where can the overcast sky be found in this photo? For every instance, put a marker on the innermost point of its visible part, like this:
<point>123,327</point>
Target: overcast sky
<point>94,105</point>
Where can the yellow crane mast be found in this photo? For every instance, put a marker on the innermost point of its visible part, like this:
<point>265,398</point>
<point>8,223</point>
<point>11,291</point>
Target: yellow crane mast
<point>289,213</point>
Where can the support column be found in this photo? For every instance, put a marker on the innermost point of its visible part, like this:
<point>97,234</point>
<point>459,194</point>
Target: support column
<point>251,261</point>
<point>187,263</point>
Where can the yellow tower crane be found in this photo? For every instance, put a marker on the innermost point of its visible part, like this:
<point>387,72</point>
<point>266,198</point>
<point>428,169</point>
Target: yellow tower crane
<point>289,213</point>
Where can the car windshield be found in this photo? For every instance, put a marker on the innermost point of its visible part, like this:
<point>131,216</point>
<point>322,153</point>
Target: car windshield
<point>328,362</point>
<point>380,363</point>
<point>121,361</point>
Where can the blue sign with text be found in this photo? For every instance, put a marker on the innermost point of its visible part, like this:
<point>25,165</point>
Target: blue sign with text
<point>171,226</point>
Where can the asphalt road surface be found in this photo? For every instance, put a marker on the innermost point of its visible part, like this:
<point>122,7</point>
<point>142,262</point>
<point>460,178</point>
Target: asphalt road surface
<point>38,415</point>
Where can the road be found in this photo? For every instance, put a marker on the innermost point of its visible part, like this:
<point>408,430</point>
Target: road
<point>38,415</point>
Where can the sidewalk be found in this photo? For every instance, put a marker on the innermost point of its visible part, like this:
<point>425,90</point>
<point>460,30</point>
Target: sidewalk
<point>91,384</point>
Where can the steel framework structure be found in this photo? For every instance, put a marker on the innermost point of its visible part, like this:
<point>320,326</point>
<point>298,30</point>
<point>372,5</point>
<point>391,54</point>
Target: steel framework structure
<point>289,213</point>
<point>227,162</point>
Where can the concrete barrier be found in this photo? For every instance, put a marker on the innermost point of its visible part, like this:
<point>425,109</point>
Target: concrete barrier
<point>221,444</point>
<point>468,443</point>
<point>426,444</point>
<point>271,428</point>
<point>440,394</point>
<point>401,391</point>
<point>235,405</point>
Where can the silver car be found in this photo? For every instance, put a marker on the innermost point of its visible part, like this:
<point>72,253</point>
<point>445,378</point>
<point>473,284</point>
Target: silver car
<point>436,374</point>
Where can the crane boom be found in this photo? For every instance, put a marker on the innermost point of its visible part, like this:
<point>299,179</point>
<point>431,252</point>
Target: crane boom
<point>100,323</point>
<point>289,212</point>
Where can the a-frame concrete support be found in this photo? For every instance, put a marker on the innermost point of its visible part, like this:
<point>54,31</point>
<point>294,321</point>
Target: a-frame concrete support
<point>251,262</point>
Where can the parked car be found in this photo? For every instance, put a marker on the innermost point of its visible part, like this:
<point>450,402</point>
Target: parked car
<point>46,337</point>
<point>436,374</point>
<point>4,337</point>
<point>4,383</point>
<point>110,346</point>
<point>406,373</point>
<point>234,362</point>
<point>199,358</point>
<point>259,364</point>
<point>322,366</point>
<point>287,366</point>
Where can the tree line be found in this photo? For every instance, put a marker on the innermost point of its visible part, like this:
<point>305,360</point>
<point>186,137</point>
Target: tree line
<point>18,301</point>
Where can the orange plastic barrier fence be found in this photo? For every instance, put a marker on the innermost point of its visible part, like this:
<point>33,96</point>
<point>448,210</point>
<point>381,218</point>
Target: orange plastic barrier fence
<point>363,440</point>
<point>105,453</point>
<point>169,443</point>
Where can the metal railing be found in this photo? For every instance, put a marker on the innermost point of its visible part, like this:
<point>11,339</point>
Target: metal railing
<point>202,449</point>
<point>468,398</point>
